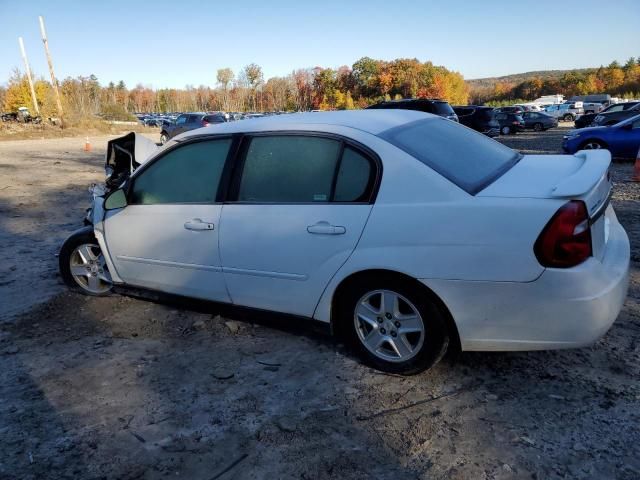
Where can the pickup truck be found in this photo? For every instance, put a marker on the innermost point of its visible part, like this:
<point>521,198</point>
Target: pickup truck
<point>565,111</point>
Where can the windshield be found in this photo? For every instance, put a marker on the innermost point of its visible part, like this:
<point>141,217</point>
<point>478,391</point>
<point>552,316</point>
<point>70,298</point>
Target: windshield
<point>465,157</point>
<point>442,108</point>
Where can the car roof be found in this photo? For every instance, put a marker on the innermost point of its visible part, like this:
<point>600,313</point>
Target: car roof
<point>370,121</point>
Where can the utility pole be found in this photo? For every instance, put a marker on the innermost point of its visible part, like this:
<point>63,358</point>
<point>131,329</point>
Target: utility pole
<point>26,66</point>
<point>54,82</point>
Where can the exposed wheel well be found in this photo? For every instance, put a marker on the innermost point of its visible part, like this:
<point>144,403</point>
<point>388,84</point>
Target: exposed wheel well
<point>392,276</point>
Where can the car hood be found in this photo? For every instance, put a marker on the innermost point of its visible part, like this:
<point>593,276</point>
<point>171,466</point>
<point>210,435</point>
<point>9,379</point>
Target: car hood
<point>125,154</point>
<point>587,130</point>
<point>551,176</point>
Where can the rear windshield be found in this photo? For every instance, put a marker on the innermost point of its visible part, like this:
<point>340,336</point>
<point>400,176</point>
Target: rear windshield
<point>465,157</point>
<point>442,108</point>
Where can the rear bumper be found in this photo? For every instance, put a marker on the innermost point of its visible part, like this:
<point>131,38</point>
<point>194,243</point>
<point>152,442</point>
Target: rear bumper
<point>561,309</point>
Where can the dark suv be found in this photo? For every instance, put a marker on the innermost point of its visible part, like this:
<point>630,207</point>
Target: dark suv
<point>611,116</point>
<point>480,119</point>
<point>184,123</point>
<point>437,107</point>
<point>509,122</point>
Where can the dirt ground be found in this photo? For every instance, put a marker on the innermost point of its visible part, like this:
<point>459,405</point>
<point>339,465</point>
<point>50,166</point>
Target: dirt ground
<point>122,388</point>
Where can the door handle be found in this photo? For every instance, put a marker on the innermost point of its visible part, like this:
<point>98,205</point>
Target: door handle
<point>325,228</point>
<point>198,225</point>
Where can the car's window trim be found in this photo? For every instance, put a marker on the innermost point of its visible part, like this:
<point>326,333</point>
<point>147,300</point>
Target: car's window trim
<point>372,185</point>
<point>204,138</point>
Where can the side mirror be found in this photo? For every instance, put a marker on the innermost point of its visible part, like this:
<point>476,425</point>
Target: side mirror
<point>116,199</point>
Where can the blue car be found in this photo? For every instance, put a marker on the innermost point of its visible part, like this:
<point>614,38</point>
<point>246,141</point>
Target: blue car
<point>621,139</point>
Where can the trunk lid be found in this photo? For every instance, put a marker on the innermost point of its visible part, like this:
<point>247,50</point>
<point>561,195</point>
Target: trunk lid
<point>583,176</point>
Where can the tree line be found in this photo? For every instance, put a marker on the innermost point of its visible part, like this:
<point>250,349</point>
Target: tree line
<point>615,79</point>
<point>365,82</point>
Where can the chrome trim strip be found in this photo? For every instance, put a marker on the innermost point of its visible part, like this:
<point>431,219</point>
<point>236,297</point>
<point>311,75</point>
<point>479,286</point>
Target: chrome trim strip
<point>167,263</point>
<point>262,273</point>
<point>601,209</point>
<point>195,266</point>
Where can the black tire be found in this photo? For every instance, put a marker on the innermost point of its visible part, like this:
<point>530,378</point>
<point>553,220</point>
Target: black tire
<point>538,127</point>
<point>506,130</point>
<point>164,138</point>
<point>436,337</point>
<point>593,144</point>
<point>568,118</point>
<point>79,237</point>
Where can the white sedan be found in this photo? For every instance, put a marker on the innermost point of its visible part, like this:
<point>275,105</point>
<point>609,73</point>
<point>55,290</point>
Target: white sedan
<point>407,233</point>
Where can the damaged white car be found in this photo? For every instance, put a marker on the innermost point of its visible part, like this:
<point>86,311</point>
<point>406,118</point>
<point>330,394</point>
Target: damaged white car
<point>405,232</point>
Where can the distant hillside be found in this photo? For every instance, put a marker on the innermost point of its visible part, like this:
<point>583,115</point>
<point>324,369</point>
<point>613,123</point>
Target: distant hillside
<point>481,83</point>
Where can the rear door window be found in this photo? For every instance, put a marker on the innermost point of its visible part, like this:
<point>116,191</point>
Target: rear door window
<point>355,176</point>
<point>289,169</point>
<point>465,157</point>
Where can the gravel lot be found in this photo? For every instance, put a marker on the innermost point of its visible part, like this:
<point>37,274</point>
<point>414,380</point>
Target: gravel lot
<point>117,387</point>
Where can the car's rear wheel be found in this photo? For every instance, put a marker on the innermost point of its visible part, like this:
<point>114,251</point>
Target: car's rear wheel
<point>506,130</point>
<point>568,118</point>
<point>83,266</point>
<point>592,145</point>
<point>393,325</point>
<point>164,138</point>
<point>538,127</point>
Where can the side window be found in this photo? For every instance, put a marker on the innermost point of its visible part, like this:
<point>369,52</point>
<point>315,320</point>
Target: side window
<point>289,169</point>
<point>188,174</point>
<point>636,125</point>
<point>181,119</point>
<point>193,118</point>
<point>354,177</point>
<point>501,116</point>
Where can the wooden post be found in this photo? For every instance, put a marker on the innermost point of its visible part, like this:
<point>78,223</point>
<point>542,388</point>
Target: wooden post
<point>54,82</point>
<point>26,66</point>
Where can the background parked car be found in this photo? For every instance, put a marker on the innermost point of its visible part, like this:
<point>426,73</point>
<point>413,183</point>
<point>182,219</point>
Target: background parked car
<point>517,109</point>
<point>539,121</point>
<point>592,107</point>
<point>587,119</point>
<point>509,122</point>
<point>565,111</point>
<point>480,119</point>
<point>437,107</point>
<point>612,117</point>
<point>184,123</point>
<point>622,139</point>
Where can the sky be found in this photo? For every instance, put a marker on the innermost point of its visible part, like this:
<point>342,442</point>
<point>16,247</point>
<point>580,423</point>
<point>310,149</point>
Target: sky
<point>175,43</point>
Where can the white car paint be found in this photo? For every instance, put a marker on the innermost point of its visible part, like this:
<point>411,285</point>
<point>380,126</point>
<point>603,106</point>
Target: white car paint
<point>474,251</point>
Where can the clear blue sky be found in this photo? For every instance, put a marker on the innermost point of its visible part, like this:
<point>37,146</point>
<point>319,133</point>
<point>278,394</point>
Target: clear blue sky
<point>174,43</point>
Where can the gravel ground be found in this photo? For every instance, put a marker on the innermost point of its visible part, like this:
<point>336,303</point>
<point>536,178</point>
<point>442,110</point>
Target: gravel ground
<point>117,387</point>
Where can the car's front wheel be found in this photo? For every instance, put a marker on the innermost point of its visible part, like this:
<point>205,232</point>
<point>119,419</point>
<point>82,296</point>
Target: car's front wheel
<point>568,118</point>
<point>164,138</point>
<point>592,145</point>
<point>82,264</point>
<point>538,127</point>
<point>505,130</point>
<point>393,325</point>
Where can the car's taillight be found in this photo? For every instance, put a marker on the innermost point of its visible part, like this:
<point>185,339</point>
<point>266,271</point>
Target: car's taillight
<point>566,240</point>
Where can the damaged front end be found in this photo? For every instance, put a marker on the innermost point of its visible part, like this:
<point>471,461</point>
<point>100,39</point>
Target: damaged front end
<point>124,155</point>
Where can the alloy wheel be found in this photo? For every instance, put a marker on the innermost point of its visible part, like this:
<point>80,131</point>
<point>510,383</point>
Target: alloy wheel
<point>592,146</point>
<point>389,325</point>
<point>89,269</point>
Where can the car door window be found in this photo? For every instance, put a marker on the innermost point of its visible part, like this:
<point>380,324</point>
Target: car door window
<point>289,169</point>
<point>355,177</point>
<point>181,120</point>
<point>187,174</point>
